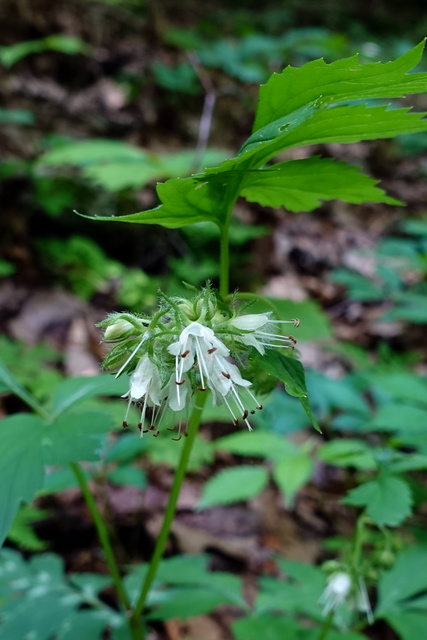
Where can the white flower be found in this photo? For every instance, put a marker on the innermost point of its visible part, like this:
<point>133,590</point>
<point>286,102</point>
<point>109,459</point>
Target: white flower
<point>336,592</point>
<point>175,394</point>
<point>342,590</point>
<point>145,384</point>
<point>195,343</point>
<point>260,332</point>
<point>224,380</point>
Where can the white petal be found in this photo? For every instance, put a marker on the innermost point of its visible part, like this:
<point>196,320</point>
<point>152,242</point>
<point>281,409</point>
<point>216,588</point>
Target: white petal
<point>235,374</point>
<point>175,402</point>
<point>250,340</point>
<point>250,322</point>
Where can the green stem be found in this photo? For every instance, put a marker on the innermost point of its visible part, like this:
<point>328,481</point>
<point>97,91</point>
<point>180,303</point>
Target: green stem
<point>193,427</point>
<point>103,535</point>
<point>326,627</point>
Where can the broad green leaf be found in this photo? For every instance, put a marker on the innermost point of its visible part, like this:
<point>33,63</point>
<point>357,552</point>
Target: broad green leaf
<point>400,417</point>
<point>387,499</point>
<point>355,123</point>
<point>65,44</point>
<point>90,584</point>
<point>409,625</point>
<point>262,444</point>
<point>299,107</point>
<point>291,373</point>
<point>184,201</point>
<point>291,473</point>
<point>347,453</point>
<point>184,569</point>
<point>403,386</point>
<point>75,390</point>
<point>287,370</point>
<point>267,627</point>
<point>128,475</point>
<point>21,465</point>
<point>300,592</point>
<point>233,485</point>
<point>76,436</point>
<point>400,587</point>
<point>42,615</point>
<point>302,185</point>
<point>186,602</point>
<point>85,625</point>
<point>336,82</point>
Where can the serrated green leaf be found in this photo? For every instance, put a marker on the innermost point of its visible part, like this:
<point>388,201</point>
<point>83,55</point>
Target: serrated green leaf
<point>302,185</point>
<point>257,443</point>
<point>77,436</point>
<point>347,453</point>
<point>75,390</point>
<point>387,499</point>
<point>84,625</point>
<point>233,485</point>
<point>355,123</point>
<point>21,465</point>
<point>400,417</point>
<point>408,624</point>
<point>186,602</point>
<point>339,81</point>
<point>291,373</point>
<point>287,370</point>
<point>184,201</point>
<point>399,587</point>
<point>42,615</point>
<point>267,627</point>
<point>291,473</point>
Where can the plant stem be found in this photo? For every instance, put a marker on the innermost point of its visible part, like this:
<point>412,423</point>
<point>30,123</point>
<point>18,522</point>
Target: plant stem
<point>326,626</point>
<point>193,427</point>
<point>103,535</point>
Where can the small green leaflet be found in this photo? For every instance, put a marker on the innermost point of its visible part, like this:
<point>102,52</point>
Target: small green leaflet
<point>387,499</point>
<point>300,106</point>
<point>291,373</point>
<point>233,485</point>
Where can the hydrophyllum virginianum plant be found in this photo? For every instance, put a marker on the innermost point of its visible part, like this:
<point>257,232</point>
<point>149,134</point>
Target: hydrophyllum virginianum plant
<point>204,343</point>
<point>186,347</point>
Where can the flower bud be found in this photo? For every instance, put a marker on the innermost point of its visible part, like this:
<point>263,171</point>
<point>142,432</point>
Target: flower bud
<point>118,330</point>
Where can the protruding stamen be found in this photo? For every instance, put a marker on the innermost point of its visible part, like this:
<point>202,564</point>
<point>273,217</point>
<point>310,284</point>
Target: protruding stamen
<point>125,424</point>
<point>212,350</point>
<point>245,414</point>
<point>226,375</point>
<point>156,434</point>
<point>202,388</point>
<point>296,322</point>
<point>185,354</point>
<point>140,425</point>
<point>178,438</point>
<point>179,383</point>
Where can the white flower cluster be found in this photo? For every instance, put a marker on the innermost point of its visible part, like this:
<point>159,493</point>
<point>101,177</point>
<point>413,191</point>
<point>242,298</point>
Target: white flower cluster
<point>343,595</point>
<point>189,346</point>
